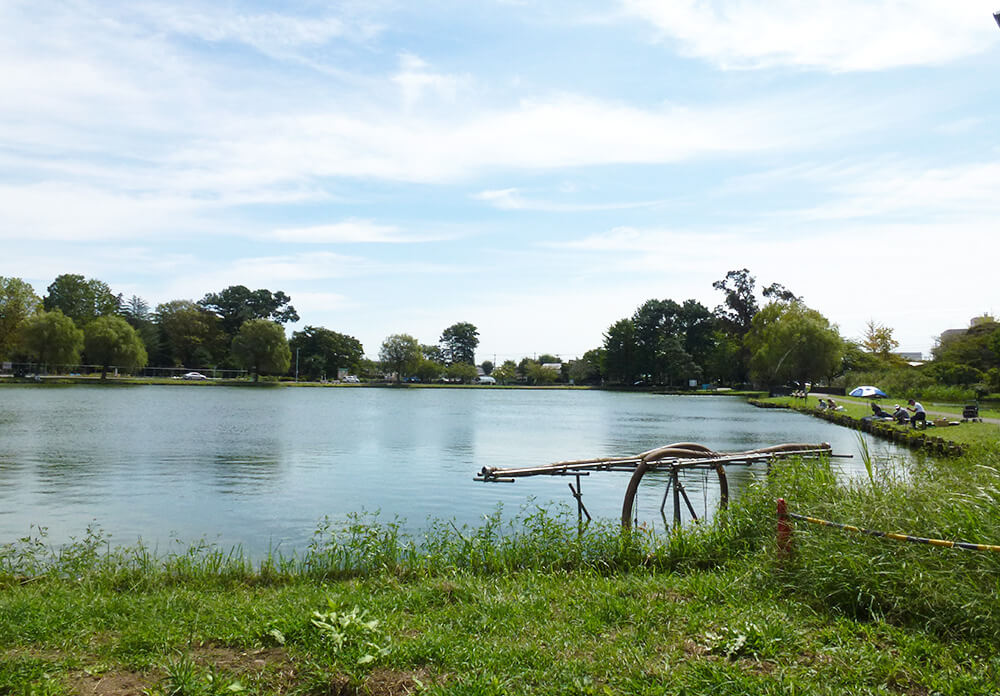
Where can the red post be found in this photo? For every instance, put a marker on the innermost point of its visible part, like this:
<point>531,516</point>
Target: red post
<point>784,528</point>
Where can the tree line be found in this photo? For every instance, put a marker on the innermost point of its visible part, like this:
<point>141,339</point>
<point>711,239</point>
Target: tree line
<point>764,338</point>
<point>774,338</point>
<point>81,319</point>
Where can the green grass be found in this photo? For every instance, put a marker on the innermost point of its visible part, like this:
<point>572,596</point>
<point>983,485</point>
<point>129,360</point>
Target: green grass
<point>976,435</point>
<point>531,606</point>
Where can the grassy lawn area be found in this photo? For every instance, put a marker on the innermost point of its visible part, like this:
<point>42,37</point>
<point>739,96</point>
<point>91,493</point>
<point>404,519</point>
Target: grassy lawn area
<point>526,633</point>
<point>974,434</point>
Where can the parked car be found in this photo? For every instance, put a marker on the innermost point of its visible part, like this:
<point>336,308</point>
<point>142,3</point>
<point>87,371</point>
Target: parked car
<point>193,375</point>
<point>485,379</point>
<point>351,379</point>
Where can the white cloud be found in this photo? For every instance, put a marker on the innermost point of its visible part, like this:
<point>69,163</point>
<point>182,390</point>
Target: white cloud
<point>834,35</point>
<point>511,199</point>
<point>346,231</point>
<point>903,191</point>
<point>415,79</point>
<point>554,132</point>
<point>56,211</point>
<point>352,231</point>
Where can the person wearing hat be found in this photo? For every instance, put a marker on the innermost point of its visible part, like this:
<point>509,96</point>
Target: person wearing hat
<point>919,415</point>
<point>900,415</point>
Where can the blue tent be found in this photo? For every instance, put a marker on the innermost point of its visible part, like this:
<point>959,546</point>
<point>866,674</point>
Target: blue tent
<point>867,391</point>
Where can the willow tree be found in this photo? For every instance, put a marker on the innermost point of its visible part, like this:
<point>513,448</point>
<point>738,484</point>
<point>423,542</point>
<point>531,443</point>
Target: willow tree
<point>18,301</point>
<point>112,341</point>
<point>51,338</point>
<point>789,341</point>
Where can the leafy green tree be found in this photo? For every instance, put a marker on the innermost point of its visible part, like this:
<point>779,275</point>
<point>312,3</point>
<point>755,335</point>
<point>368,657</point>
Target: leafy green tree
<point>51,338</point>
<point>18,301</point>
<point>112,341</point>
<point>792,342</point>
<point>587,369</point>
<point>698,327</point>
<point>506,373</point>
<point>723,362</point>
<point>878,339</point>
<point>369,369</point>
<point>322,351</point>
<point>80,299</point>
<point>428,370</point>
<point>676,364</point>
<point>400,354</point>
<point>654,321</point>
<point>739,305</point>
<point>620,352</point>
<point>536,374</point>
<point>856,359</point>
<point>192,333</point>
<point>737,311</point>
<point>776,292</point>
<point>434,353</point>
<point>135,311</point>
<point>464,372</point>
<point>954,374</point>
<point>487,366</point>
<point>238,304</point>
<point>459,342</point>
<point>260,346</point>
<point>977,346</point>
<point>663,329</point>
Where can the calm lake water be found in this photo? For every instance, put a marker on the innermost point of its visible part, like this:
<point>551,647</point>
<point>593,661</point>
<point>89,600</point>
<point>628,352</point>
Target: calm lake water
<point>261,467</point>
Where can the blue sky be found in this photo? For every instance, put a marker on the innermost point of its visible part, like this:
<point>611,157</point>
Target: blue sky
<point>538,169</point>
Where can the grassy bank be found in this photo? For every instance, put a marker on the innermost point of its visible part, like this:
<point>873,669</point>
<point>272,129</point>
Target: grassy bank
<point>968,435</point>
<point>532,607</point>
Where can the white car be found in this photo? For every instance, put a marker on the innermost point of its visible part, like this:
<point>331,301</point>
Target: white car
<point>193,375</point>
<point>485,379</point>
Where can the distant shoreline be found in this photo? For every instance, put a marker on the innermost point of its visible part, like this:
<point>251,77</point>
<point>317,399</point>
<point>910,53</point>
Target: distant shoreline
<point>66,380</point>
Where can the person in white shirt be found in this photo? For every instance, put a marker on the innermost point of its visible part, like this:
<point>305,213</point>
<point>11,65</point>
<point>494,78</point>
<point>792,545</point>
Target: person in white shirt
<point>918,413</point>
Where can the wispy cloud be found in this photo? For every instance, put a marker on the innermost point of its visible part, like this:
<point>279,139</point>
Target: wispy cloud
<point>352,231</point>
<point>834,35</point>
<point>901,191</point>
<point>415,78</point>
<point>512,199</point>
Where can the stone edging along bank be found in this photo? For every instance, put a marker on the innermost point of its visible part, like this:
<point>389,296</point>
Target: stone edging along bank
<point>915,439</point>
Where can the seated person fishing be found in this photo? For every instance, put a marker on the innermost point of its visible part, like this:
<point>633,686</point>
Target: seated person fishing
<point>900,415</point>
<point>879,412</point>
<point>919,416</point>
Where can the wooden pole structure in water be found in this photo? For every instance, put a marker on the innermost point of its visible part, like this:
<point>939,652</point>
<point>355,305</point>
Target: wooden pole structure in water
<point>674,458</point>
